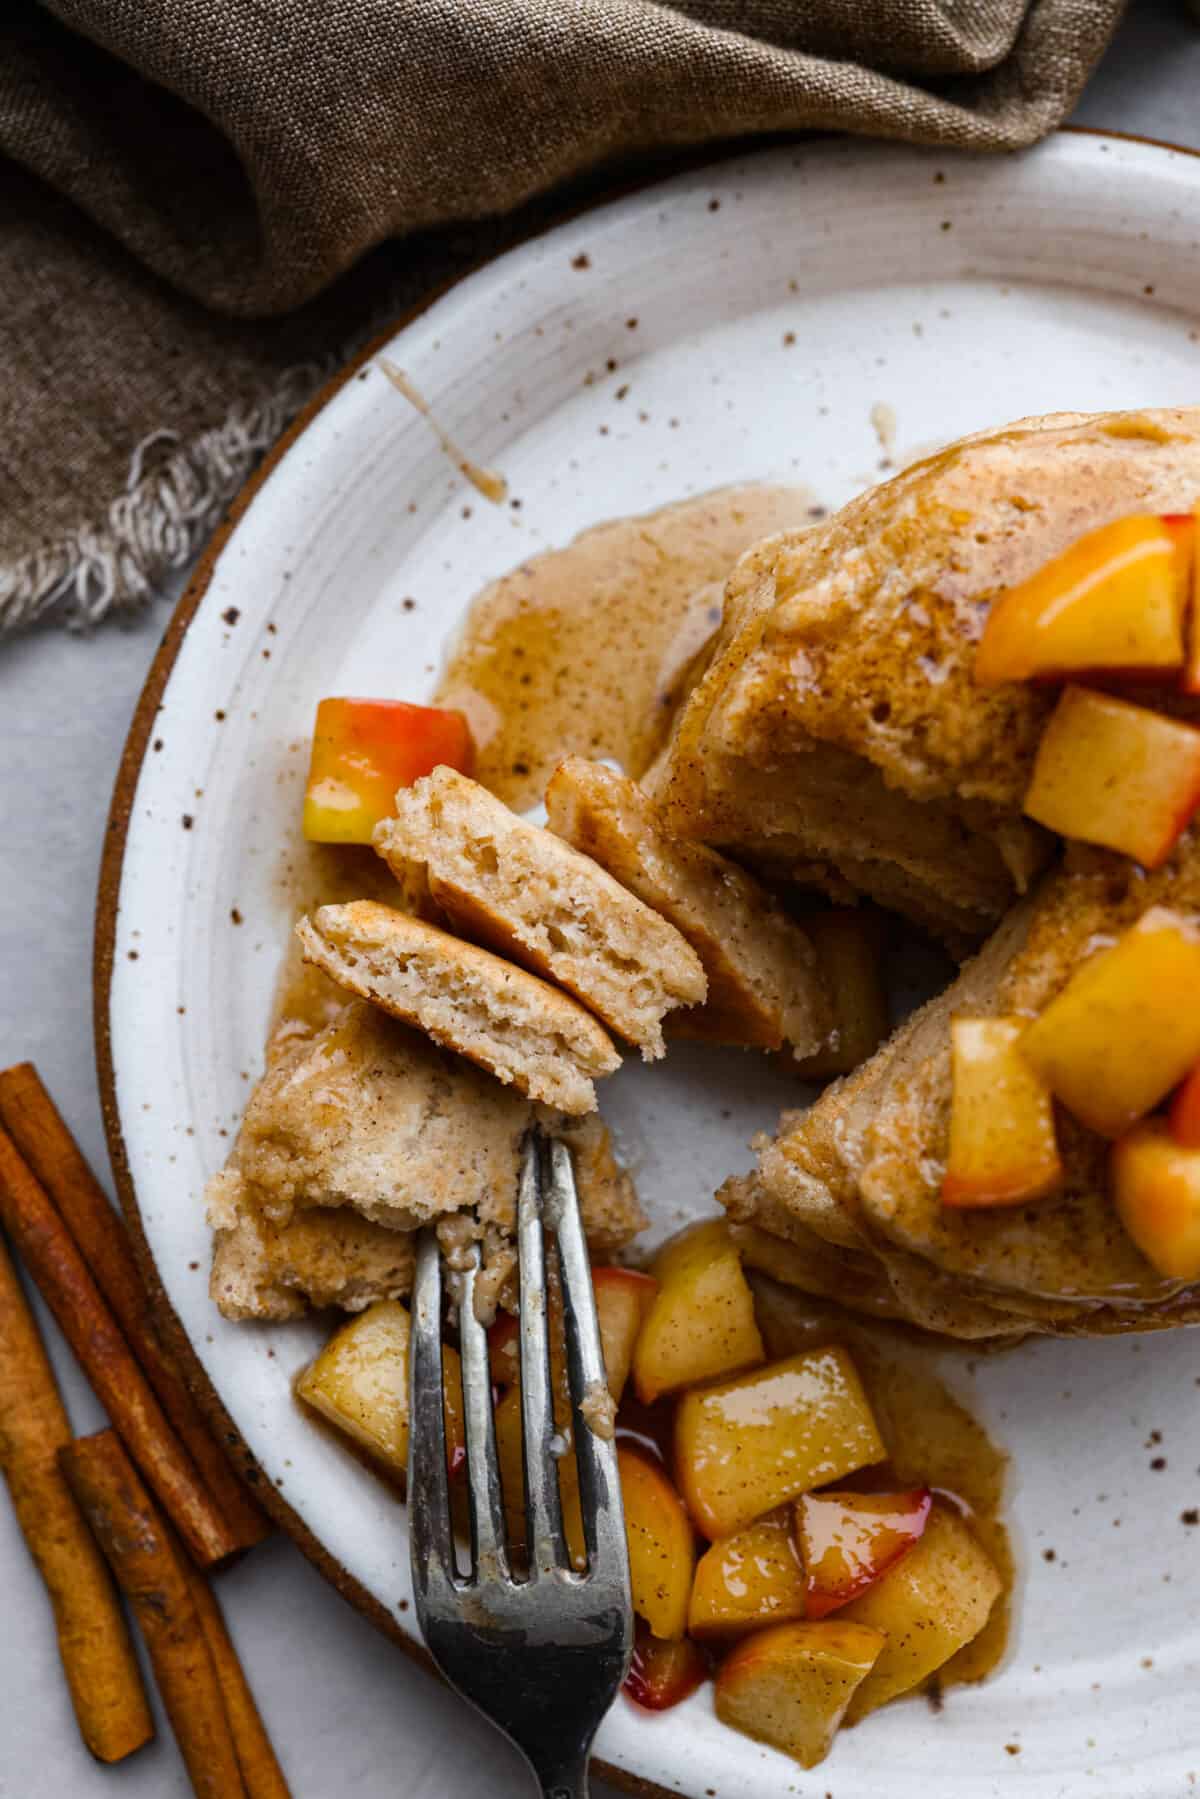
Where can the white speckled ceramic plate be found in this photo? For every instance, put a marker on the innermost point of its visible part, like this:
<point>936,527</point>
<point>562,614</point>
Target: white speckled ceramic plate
<point>778,300</point>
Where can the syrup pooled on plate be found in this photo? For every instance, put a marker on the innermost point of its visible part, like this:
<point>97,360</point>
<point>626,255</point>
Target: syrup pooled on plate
<point>585,650</point>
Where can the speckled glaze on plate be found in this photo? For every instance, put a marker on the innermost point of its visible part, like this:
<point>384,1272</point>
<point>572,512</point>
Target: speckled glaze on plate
<point>771,317</point>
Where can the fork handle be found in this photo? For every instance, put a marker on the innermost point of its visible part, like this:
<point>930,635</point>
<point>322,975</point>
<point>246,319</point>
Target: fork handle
<point>564,1782</point>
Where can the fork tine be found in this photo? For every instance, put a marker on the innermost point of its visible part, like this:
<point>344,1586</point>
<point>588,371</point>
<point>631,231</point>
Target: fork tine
<point>599,1476</point>
<point>547,1547</point>
<point>489,1555</point>
<point>428,1483</point>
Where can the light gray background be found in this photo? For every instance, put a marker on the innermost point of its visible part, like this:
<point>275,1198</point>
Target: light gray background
<point>346,1710</point>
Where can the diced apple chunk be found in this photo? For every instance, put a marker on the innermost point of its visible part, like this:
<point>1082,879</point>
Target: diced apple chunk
<point>1119,775</point>
<point>934,1600</point>
<point>504,1350</point>
<point>1156,1189</point>
<point>1185,1112</point>
<point>701,1323</point>
<point>623,1299</point>
<point>790,1685</point>
<point>746,1446</point>
<point>661,1545</point>
<point>850,1540</point>
<point>360,1383</point>
<point>1003,1149</point>
<point>663,1670</point>
<point>849,945</point>
<point>1190,679</point>
<point>1126,1027</point>
<point>1112,601</point>
<point>752,1578</point>
<point>363,750</point>
<point>510,1457</point>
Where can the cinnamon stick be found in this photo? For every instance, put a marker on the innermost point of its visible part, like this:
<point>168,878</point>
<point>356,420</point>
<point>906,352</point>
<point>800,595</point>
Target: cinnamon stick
<point>261,1774</point>
<point>45,1245</point>
<point>154,1576</point>
<point>97,1656</point>
<point>41,1135</point>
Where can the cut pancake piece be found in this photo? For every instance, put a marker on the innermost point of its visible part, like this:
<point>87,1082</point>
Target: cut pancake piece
<point>357,1133</point>
<point>839,720</point>
<point>764,986</point>
<point>519,1028</point>
<point>372,1116</point>
<point>1069,1247</point>
<point>323,1257</point>
<point>525,892</point>
<point>862,1170</point>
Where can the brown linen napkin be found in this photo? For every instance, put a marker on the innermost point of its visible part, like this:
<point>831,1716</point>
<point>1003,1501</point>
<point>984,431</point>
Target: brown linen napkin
<point>185,183</point>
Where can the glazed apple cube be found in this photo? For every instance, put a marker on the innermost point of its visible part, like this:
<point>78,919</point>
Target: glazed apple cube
<point>363,750</point>
<point>849,946</point>
<point>1156,1190</point>
<point>791,1685</point>
<point>504,1350</point>
<point>1190,681</point>
<point>748,1445</point>
<point>623,1297</point>
<point>1003,1149</point>
<point>1185,1112</point>
<point>510,1456</point>
<point>850,1540</point>
<point>1119,775</point>
<point>662,1549</point>
<point>1111,602</point>
<point>360,1383</point>
<point>936,1599</point>
<point>663,1670</point>
<point>752,1578</point>
<point>1126,1027</point>
<point>701,1322</point>
<point>623,1300</point>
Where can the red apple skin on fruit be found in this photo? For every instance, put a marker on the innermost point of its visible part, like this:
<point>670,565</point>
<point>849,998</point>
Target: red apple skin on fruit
<point>1003,1148</point>
<point>847,1540</point>
<point>1111,601</point>
<point>663,1671</point>
<point>1156,1190</point>
<point>1185,1112</point>
<point>363,750</point>
<point>1118,775</point>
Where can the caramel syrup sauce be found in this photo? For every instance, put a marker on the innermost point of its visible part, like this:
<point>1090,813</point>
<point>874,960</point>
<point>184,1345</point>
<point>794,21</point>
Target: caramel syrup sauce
<point>587,649</point>
<point>932,1440</point>
<point>581,649</point>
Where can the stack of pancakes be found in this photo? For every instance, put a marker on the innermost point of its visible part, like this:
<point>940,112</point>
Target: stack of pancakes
<point>838,738</point>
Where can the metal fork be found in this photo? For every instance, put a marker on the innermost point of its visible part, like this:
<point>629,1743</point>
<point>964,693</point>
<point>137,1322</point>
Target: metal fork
<point>544,1655</point>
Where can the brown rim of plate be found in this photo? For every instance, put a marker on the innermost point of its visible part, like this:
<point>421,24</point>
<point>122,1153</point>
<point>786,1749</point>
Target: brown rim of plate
<point>109,887</point>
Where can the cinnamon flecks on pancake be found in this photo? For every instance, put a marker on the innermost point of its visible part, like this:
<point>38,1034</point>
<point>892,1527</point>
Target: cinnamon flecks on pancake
<point>526,893</point>
<point>861,1172</point>
<point>358,1133</point>
<point>518,1027</point>
<point>764,985</point>
<point>839,723</point>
